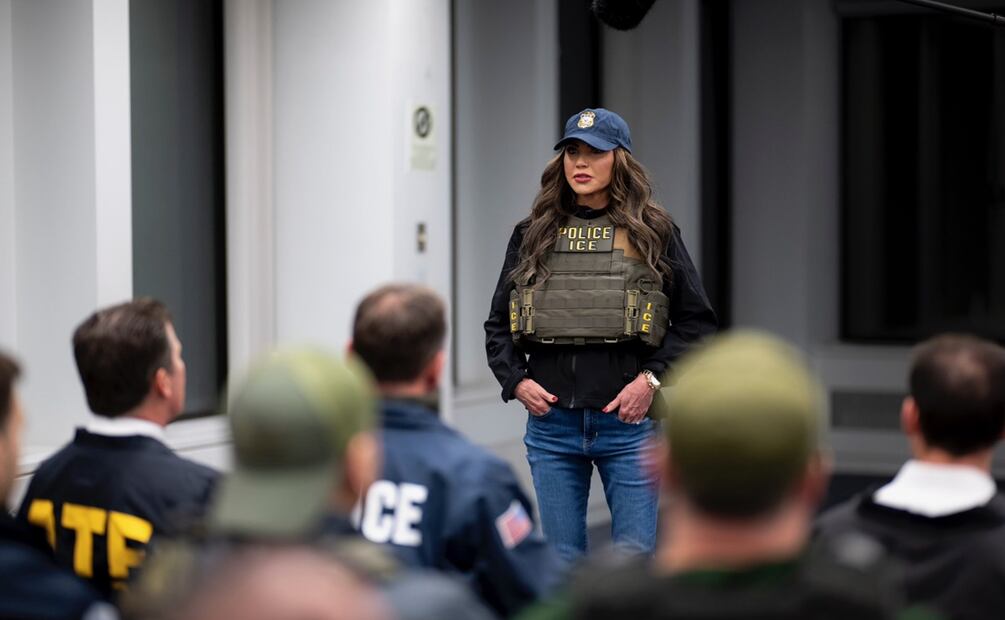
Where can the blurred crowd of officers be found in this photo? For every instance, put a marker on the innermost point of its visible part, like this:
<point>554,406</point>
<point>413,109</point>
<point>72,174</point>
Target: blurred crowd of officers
<point>349,497</point>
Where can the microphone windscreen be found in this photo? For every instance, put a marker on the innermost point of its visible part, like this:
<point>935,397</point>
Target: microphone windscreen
<point>621,14</point>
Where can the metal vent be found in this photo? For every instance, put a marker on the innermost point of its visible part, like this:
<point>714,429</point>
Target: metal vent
<point>861,410</point>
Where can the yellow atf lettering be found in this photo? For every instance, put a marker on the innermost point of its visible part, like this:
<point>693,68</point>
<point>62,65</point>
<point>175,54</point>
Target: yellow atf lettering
<point>123,527</point>
<point>42,514</point>
<point>85,522</point>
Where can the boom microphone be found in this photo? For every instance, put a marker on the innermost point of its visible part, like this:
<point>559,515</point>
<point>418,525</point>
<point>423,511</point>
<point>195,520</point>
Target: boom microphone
<point>994,18</point>
<point>621,14</point>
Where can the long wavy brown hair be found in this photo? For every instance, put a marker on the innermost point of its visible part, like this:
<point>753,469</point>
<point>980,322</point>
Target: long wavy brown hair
<point>631,207</point>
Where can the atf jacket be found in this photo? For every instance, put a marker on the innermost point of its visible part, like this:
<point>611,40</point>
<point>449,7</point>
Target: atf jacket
<point>118,492</point>
<point>445,503</point>
<point>955,563</point>
<point>591,375</point>
<point>33,588</point>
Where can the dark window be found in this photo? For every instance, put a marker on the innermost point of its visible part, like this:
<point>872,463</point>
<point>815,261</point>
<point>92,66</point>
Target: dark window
<point>716,100</point>
<point>923,177</point>
<point>176,71</point>
<point>579,65</point>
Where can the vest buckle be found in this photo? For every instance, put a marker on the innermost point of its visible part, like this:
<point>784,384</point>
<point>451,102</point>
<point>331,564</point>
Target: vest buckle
<point>527,312</point>
<point>631,311</point>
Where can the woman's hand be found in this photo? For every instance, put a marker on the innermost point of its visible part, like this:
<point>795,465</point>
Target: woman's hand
<point>633,401</point>
<point>535,398</point>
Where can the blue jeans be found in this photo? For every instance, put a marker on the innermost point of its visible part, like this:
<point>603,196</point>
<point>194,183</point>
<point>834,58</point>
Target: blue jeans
<point>563,445</point>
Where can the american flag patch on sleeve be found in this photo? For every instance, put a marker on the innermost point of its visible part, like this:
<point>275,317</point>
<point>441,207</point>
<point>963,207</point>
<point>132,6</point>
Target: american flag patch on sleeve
<point>514,525</point>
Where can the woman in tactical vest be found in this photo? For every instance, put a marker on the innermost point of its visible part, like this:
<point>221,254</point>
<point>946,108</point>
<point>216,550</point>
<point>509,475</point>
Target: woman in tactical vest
<point>597,297</point>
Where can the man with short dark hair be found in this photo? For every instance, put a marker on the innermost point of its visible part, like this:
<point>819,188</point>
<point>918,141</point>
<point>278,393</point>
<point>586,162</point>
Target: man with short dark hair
<point>441,502</point>
<point>942,514</point>
<point>102,497</point>
<point>31,586</point>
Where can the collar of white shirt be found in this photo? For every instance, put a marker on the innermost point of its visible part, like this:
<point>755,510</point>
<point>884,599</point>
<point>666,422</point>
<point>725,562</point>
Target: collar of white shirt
<point>122,427</point>
<point>936,490</point>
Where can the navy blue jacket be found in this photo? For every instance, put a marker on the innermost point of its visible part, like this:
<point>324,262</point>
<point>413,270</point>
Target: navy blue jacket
<point>32,586</point>
<point>448,504</point>
<point>118,492</point>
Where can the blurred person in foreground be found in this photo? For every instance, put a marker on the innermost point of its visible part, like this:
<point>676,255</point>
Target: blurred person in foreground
<point>31,585</point>
<point>442,501</point>
<point>743,473</point>
<point>103,497</point>
<point>942,515</point>
<point>281,583</point>
<point>304,452</point>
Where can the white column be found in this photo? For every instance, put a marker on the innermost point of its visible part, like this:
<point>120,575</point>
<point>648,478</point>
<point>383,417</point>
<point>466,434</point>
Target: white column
<point>8,281</point>
<point>420,150</point>
<point>332,163</point>
<point>71,178</point>
<point>419,37</point>
<point>348,193</point>
<point>112,152</point>
<point>250,216</point>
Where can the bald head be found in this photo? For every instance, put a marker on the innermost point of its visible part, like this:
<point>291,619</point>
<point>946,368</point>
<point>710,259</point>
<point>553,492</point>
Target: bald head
<point>291,583</point>
<point>398,330</point>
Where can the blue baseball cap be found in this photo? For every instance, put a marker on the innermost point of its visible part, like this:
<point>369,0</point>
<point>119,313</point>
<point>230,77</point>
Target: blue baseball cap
<point>602,129</point>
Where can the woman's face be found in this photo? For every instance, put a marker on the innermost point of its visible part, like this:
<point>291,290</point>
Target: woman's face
<point>588,172</point>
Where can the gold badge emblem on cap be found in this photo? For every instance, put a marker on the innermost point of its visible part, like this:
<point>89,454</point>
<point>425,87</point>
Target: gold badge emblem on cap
<point>586,119</point>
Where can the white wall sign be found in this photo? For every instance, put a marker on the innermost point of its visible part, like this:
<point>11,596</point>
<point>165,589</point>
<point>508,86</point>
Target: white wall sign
<point>423,156</point>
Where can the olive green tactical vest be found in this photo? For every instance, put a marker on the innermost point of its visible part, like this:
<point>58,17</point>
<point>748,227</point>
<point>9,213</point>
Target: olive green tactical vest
<point>594,293</point>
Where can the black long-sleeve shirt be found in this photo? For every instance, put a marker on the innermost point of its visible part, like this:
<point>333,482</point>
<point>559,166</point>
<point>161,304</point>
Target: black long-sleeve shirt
<point>592,375</point>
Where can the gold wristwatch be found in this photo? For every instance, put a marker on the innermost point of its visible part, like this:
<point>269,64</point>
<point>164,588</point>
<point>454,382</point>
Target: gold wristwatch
<point>651,380</point>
